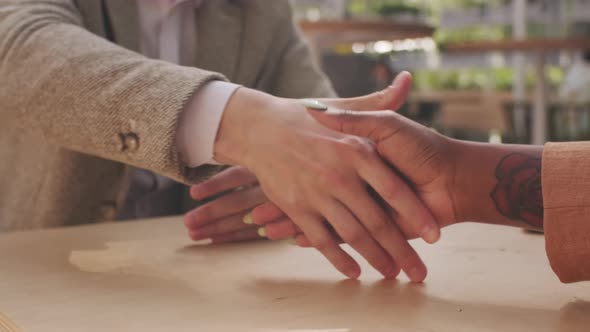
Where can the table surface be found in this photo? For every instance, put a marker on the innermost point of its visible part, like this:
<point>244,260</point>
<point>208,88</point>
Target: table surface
<point>147,276</point>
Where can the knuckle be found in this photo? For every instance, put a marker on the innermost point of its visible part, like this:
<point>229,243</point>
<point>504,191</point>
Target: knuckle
<point>377,228</point>
<point>388,119</point>
<point>334,178</point>
<point>352,142</point>
<point>294,202</point>
<point>358,146</point>
<point>299,203</point>
<point>390,191</point>
<point>354,238</point>
<point>380,96</point>
<point>323,244</point>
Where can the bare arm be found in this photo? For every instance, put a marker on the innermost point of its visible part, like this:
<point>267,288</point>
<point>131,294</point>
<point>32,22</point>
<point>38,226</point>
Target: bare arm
<point>499,184</point>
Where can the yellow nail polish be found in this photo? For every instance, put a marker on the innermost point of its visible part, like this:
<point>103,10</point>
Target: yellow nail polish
<point>292,241</point>
<point>248,219</point>
<point>262,232</point>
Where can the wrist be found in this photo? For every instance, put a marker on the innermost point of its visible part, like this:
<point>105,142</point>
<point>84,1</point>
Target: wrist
<point>245,112</point>
<point>467,181</point>
<point>476,179</point>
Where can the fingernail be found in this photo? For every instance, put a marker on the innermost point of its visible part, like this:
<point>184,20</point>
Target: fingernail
<point>392,273</point>
<point>429,234</point>
<point>314,104</point>
<point>248,219</point>
<point>292,241</point>
<point>352,273</point>
<point>416,275</point>
<point>262,232</point>
<point>398,78</point>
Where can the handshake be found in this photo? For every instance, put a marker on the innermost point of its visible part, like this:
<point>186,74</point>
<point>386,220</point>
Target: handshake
<point>334,171</point>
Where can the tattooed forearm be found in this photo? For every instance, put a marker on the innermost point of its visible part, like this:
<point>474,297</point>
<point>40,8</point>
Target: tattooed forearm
<point>518,194</point>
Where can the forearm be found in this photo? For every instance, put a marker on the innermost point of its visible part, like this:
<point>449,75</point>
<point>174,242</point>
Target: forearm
<point>499,184</point>
<point>83,93</point>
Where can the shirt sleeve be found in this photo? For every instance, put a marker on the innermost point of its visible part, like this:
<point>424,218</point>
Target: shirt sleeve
<point>566,199</point>
<point>200,122</point>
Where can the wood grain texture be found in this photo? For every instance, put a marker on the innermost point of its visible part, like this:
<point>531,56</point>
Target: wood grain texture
<point>147,276</point>
<point>6,325</point>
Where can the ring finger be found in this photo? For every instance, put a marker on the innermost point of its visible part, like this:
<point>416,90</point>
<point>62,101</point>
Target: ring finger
<point>384,230</point>
<point>229,204</point>
<point>320,237</point>
<point>219,227</point>
<point>237,236</point>
<point>352,232</point>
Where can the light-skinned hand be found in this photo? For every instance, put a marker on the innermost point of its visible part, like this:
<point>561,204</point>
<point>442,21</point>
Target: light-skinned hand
<point>317,175</point>
<point>222,218</point>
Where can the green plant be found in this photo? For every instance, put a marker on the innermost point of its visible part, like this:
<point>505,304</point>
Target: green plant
<point>499,79</point>
<point>384,7</point>
<point>503,78</point>
<point>389,9</point>
<point>448,36</point>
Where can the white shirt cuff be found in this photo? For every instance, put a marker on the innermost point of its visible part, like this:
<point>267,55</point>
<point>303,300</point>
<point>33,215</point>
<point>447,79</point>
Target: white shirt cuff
<point>200,122</point>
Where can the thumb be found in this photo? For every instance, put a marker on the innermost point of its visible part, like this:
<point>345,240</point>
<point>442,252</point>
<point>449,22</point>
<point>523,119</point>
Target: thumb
<point>390,98</point>
<point>376,125</point>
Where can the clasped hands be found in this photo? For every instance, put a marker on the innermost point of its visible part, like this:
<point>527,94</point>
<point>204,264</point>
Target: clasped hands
<point>356,173</point>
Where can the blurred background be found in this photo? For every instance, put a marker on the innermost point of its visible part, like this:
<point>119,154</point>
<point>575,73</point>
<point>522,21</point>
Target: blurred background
<point>512,71</point>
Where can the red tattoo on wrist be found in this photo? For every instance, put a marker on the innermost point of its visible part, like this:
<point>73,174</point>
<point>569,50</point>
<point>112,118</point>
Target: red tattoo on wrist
<point>518,194</point>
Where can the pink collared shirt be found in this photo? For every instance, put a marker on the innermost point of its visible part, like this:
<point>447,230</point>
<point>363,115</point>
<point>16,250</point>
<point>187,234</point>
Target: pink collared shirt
<point>162,24</point>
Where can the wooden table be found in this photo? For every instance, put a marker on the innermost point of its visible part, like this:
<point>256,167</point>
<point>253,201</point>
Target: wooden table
<point>147,276</point>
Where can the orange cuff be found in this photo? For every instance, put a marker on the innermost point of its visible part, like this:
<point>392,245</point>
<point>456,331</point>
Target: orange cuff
<point>566,199</point>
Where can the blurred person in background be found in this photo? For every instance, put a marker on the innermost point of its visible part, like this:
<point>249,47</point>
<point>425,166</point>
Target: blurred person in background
<point>576,86</point>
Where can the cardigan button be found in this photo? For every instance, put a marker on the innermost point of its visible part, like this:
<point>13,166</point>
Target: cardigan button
<point>129,142</point>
